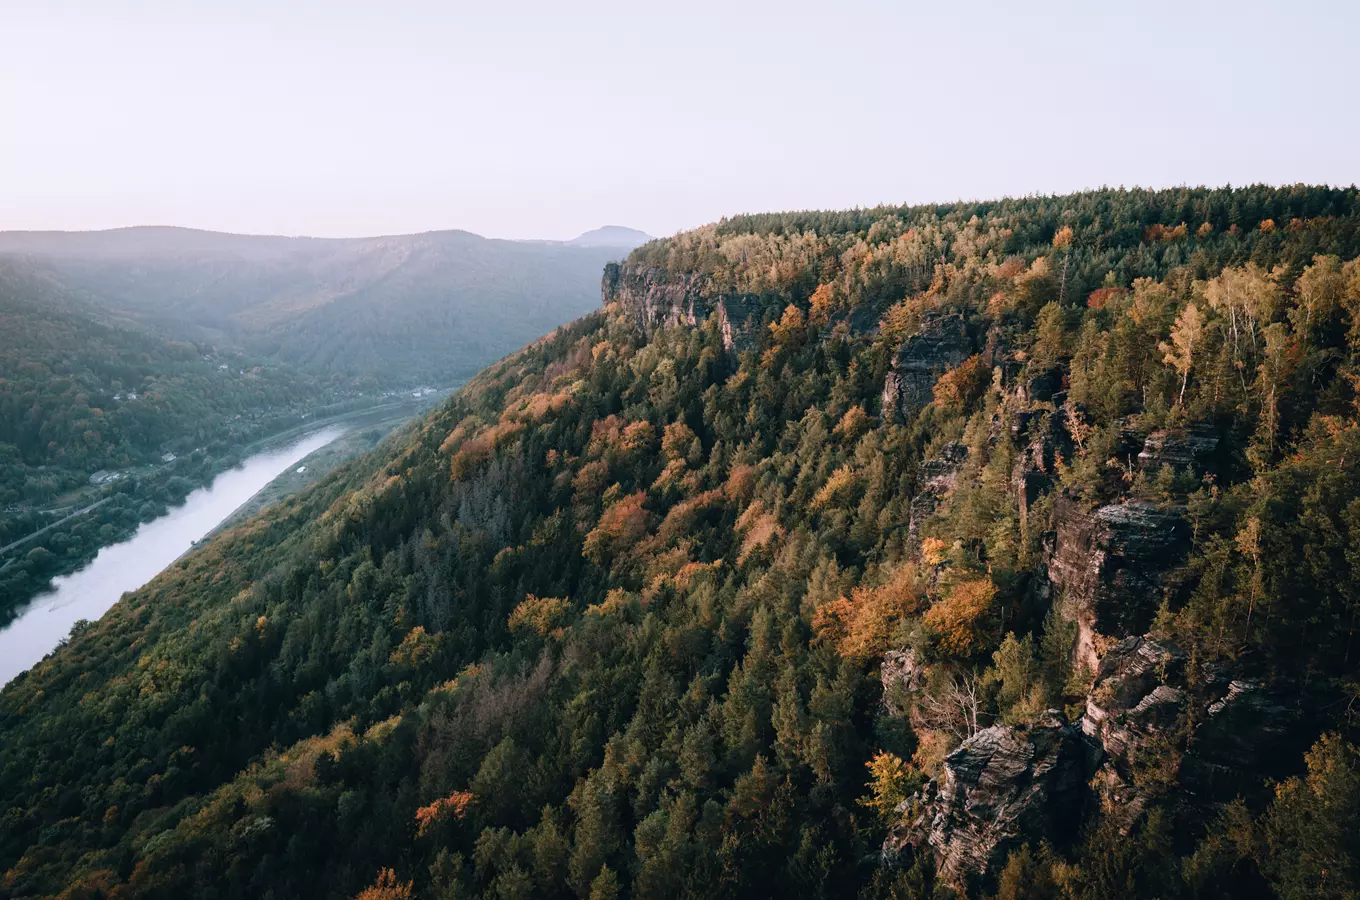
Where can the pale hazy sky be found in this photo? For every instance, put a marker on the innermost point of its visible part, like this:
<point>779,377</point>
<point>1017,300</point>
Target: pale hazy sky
<point>544,119</point>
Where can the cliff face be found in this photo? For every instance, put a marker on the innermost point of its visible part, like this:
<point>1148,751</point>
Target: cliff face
<point>1230,731</point>
<point>1006,785</point>
<point>655,298</point>
<point>1109,565</point>
<point>938,478</point>
<point>940,344</point>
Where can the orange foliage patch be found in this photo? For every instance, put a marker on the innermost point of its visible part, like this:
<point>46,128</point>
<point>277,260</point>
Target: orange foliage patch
<point>862,625</point>
<point>682,515</point>
<point>416,649</point>
<point>605,434</point>
<point>478,450</point>
<point>386,888</point>
<point>676,440</point>
<point>539,406</point>
<point>1012,267</point>
<point>1160,232</point>
<point>689,572</point>
<point>455,804</point>
<point>740,482</point>
<point>623,524</point>
<point>457,435</point>
<point>541,615</point>
<point>824,303</point>
<point>961,385</point>
<point>1098,298</point>
<point>854,423</point>
<point>839,484</point>
<point>791,328</point>
<point>589,481</point>
<point>616,602</point>
<point>959,618</point>
<point>759,527</point>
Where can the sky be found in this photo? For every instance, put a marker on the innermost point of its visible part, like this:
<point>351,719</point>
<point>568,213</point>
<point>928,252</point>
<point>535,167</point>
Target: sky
<point>545,119</point>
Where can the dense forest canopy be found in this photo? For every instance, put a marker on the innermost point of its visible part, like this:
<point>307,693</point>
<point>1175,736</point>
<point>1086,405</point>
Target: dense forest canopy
<point>1002,549</point>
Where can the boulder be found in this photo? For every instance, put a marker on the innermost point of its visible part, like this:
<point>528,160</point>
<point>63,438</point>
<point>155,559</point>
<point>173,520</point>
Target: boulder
<point>1003,787</point>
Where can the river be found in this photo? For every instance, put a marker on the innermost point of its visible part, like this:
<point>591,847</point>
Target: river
<point>119,568</point>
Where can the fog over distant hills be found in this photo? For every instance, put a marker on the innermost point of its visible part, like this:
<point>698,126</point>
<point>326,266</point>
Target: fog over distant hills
<point>436,306</point>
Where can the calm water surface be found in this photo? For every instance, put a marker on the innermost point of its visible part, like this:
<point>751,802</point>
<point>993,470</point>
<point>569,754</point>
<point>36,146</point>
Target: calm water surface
<point>88,593</point>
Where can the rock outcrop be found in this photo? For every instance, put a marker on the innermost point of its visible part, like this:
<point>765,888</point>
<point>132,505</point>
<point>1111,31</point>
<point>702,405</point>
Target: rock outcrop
<point>1155,728</point>
<point>938,478</point>
<point>1212,739</point>
<point>1134,696</point>
<point>1042,438</point>
<point>1109,565</point>
<point>940,344</point>
<point>1003,787</point>
<point>902,676</point>
<point>655,298</point>
<point>1190,448</point>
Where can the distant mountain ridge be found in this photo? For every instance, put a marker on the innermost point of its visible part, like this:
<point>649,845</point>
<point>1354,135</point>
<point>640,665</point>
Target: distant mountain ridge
<point>611,236</point>
<point>172,240</point>
<point>432,306</point>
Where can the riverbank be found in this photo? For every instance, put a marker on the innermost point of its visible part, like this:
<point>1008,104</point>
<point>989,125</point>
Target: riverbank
<point>361,437</point>
<point>117,509</point>
<point>40,625</point>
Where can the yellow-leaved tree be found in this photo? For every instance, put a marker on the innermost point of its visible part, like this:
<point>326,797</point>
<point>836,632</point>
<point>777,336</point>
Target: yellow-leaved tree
<point>1180,353</point>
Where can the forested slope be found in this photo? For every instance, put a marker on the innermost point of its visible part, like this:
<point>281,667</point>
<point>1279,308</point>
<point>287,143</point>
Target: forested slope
<point>82,391</point>
<point>78,394</point>
<point>990,549</point>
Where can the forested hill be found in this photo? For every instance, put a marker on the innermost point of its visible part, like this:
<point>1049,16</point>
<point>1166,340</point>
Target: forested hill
<point>395,310</point>
<point>79,392</point>
<point>83,390</point>
<point>1002,549</point>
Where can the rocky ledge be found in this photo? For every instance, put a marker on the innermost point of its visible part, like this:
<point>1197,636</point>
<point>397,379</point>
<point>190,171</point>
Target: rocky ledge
<point>655,298</point>
<point>1004,786</point>
<point>1109,566</point>
<point>1191,449</point>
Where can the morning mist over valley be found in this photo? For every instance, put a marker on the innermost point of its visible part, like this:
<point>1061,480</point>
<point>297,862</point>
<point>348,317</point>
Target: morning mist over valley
<point>707,450</point>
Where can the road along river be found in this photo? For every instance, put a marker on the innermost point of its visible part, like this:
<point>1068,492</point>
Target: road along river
<point>91,591</point>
